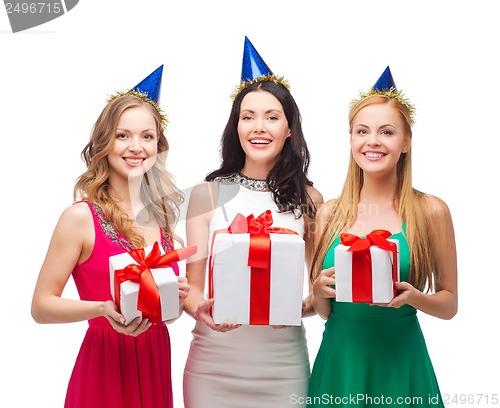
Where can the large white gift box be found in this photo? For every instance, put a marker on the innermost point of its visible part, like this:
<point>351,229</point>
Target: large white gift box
<point>231,279</point>
<point>372,278</point>
<point>164,278</point>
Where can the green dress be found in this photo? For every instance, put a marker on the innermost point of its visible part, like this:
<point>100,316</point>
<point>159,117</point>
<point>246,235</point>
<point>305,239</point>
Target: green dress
<point>372,356</point>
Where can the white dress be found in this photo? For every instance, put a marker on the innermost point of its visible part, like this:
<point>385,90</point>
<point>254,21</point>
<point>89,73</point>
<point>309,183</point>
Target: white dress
<point>251,366</point>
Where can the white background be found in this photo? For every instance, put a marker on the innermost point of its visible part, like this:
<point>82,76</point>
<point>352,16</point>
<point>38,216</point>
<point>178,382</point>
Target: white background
<point>55,79</point>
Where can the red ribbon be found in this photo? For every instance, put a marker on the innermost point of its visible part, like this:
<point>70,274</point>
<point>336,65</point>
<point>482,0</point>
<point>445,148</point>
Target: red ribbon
<point>148,301</point>
<point>362,261</point>
<point>259,260</point>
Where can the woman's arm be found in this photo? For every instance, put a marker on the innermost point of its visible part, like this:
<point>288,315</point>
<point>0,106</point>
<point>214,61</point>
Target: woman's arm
<point>72,243</point>
<point>72,237</point>
<point>444,302</point>
<point>199,213</point>
<point>310,229</point>
<point>322,292</point>
<point>200,210</point>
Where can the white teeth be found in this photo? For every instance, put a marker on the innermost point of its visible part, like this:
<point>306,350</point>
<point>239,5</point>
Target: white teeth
<point>373,155</point>
<point>260,141</point>
<point>133,161</point>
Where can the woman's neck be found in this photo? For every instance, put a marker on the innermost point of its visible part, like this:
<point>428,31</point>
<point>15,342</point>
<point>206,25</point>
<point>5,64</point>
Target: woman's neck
<point>378,190</point>
<point>128,198</point>
<point>256,171</point>
<point>377,207</point>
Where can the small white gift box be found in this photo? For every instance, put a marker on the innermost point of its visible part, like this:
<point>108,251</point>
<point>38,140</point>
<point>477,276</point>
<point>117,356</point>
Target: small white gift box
<point>366,276</point>
<point>165,281</point>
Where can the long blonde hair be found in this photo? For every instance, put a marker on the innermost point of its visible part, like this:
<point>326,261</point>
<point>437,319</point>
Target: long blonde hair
<point>409,202</point>
<point>158,191</point>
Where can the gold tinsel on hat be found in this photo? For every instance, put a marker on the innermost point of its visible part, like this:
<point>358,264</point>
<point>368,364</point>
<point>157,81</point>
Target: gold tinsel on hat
<point>145,98</point>
<point>271,78</point>
<point>391,93</point>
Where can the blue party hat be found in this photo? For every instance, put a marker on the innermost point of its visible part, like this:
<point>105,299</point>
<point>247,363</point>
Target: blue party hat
<point>385,85</point>
<point>253,65</point>
<point>254,69</point>
<point>150,86</point>
<point>149,91</point>
<point>386,81</point>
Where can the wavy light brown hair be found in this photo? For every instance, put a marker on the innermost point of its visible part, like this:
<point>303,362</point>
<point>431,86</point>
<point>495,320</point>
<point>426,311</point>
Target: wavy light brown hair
<point>409,202</point>
<point>158,191</point>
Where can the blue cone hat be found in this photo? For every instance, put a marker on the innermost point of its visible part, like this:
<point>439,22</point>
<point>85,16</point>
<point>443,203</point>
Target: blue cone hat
<point>385,85</point>
<point>253,65</point>
<point>385,82</point>
<point>149,91</point>
<point>150,86</point>
<point>254,69</point>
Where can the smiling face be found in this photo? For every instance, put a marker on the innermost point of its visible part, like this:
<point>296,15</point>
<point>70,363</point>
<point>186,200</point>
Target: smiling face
<point>378,139</point>
<point>262,128</point>
<point>135,146</point>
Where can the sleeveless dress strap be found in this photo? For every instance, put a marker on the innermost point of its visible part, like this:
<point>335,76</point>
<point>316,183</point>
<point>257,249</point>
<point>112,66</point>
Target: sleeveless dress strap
<point>104,226</point>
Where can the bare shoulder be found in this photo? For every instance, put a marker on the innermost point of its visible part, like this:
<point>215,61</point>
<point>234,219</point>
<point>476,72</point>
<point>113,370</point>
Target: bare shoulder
<point>77,214</point>
<point>75,227</point>
<point>203,200</point>
<point>204,191</point>
<point>436,209</point>
<point>315,195</point>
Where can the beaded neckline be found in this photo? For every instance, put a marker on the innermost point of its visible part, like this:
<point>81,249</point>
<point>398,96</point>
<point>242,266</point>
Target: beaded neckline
<point>117,237</point>
<point>245,181</point>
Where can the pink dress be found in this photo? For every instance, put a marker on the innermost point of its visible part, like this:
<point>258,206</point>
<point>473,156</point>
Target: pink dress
<point>114,370</point>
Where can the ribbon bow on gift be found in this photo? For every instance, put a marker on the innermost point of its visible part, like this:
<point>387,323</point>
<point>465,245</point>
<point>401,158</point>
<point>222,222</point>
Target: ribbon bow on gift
<point>362,261</point>
<point>259,260</point>
<point>148,301</point>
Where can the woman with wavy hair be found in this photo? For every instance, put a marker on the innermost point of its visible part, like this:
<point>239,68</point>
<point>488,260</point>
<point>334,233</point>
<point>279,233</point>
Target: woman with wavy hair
<point>125,199</point>
<point>264,166</point>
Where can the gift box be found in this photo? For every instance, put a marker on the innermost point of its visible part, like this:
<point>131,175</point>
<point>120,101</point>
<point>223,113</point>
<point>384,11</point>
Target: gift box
<point>143,284</point>
<point>366,268</point>
<point>256,273</point>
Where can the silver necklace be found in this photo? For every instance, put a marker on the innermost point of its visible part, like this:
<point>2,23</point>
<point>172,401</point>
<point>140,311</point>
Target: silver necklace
<point>245,181</point>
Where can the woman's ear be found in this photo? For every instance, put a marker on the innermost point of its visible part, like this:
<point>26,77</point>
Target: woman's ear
<point>406,145</point>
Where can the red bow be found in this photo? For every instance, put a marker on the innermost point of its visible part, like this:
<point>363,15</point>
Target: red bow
<point>376,237</point>
<point>148,301</point>
<point>259,260</point>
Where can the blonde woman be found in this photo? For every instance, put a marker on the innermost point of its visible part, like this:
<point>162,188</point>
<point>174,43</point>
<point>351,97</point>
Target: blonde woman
<point>372,355</point>
<point>125,200</point>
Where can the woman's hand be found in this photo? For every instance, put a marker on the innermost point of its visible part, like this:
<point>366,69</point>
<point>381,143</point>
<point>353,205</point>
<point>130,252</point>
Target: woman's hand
<point>203,314</point>
<point>322,292</point>
<point>183,294</point>
<point>136,327</point>
<point>322,286</point>
<point>183,291</point>
<point>406,293</point>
